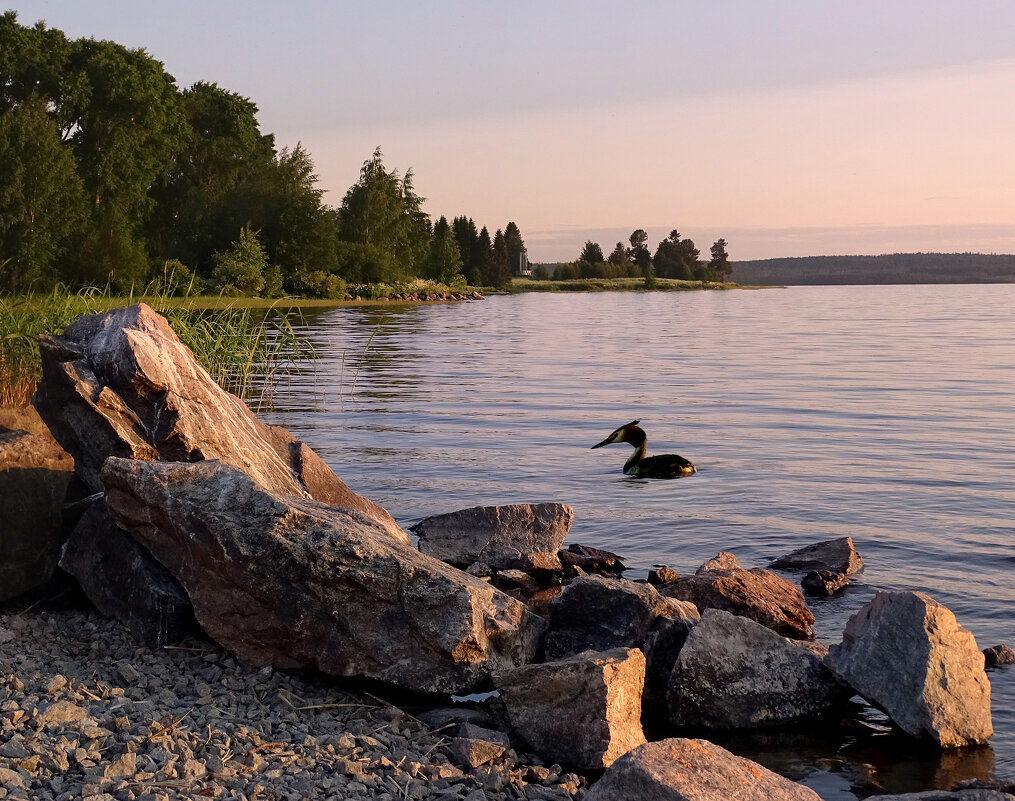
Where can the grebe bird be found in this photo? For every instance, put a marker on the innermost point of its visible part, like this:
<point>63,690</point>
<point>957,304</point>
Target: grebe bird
<point>667,466</point>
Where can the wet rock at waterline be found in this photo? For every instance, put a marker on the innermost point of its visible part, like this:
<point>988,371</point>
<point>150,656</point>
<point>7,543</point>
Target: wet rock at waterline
<point>524,536</point>
<point>661,575</point>
<point>692,770</point>
<point>838,555</point>
<point>724,560</point>
<point>34,475</point>
<point>293,583</point>
<point>122,384</point>
<point>757,594</point>
<point>977,794</point>
<point>594,613</point>
<point>124,581</point>
<point>998,656</point>
<point>590,560</point>
<point>823,583</point>
<point>733,673</point>
<point>907,654</point>
<point>583,711</point>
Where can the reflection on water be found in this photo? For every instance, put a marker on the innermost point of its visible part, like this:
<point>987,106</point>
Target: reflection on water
<point>881,413</point>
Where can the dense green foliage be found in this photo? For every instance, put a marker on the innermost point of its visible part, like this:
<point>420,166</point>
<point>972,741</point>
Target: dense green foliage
<point>111,176</point>
<point>675,258</point>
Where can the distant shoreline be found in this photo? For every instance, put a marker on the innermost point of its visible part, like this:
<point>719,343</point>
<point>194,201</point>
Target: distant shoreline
<point>896,268</point>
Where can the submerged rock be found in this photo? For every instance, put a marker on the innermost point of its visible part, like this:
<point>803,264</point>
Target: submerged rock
<point>906,654</point>
<point>998,656</point>
<point>824,583</point>
<point>692,770</point>
<point>524,536</point>
<point>733,673</point>
<point>293,583</point>
<point>591,560</point>
<point>838,556</point>
<point>35,473</point>
<point>583,711</point>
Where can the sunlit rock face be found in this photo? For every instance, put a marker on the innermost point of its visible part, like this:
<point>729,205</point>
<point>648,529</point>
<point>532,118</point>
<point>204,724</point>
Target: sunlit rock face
<point>122,384</point>
<point>907,654</point>
<point>293,583</point>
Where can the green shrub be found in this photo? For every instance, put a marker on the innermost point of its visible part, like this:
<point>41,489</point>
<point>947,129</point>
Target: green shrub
<point>241,268</point>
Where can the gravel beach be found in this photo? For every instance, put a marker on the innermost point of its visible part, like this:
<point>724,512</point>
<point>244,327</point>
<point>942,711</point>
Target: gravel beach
<point>86,713</point>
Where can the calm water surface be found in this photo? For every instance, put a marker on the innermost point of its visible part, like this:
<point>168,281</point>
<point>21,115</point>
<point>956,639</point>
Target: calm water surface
<point>881,413</point>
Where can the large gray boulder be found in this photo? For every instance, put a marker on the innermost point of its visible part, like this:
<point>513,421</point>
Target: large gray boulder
<point>838,556</point>
<point>907,654</point>
<point>122,384</point>
<point>757,594</point>
<point>584,711</point>
<point>290,582</point>
<point>125,582</point>
<point>34,475</point>
<point>733,673</point>
<point>502,537</point>
<point>692,770</point>
<point>594,613</point>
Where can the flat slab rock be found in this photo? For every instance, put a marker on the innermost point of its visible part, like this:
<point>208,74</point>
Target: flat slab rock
<point>907,654</point>
<point>680,769</point>
<point>584,711</point>
<point>838,556</point>
<point>733,673</point>
<point>122,384</point>
<point>294,583</point>
<point>757,594</point>
<point>503,537</point>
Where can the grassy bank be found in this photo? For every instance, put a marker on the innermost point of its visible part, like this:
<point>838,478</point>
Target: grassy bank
<point>235,339</point>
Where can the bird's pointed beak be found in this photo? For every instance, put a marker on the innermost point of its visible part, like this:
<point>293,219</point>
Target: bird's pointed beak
<point>606,441</point>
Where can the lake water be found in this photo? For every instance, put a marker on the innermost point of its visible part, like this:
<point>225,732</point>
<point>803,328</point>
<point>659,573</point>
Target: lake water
<point>881,413</point>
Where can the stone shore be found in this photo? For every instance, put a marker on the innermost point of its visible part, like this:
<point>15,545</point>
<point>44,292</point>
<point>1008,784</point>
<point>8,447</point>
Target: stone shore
<point>86,713</point>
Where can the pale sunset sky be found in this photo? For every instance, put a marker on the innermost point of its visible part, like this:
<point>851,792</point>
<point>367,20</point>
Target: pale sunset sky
<point>789,127</point>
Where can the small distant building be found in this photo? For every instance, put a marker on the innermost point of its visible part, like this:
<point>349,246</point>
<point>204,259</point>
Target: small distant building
<point>523,267</point>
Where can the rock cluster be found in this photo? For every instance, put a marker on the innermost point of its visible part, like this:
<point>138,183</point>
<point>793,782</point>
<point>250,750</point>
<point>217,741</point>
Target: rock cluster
<point>205,522</point>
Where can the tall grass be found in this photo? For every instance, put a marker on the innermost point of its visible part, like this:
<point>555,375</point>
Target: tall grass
<point>245,351</point>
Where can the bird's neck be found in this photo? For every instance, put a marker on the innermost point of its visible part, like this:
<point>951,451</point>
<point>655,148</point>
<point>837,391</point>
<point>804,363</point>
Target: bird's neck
<point>640,444</point>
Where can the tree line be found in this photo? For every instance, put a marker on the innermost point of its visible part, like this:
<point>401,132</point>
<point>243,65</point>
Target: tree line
<point>110,175</point>
<point>674,257</point>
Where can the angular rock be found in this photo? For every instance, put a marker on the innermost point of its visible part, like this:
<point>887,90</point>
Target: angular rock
<point>503,537</point>
<point>34,475</point>
<point>591,560</point>
<point>661,575</point>
<point>838,555</point>
<point>467,752</point>
<point>293,583</point>
<point>906,654</point>
<point>998,656</point>
<point>823,583</point>
<point>661,647</point>
<point>733,673</point>
<point>757,594</point>
<point>724,560</point>
<point>692,770</point>
<point>584,711</point>
<point>124,581</point>
<point>594,613</point>
<point>122,384</point>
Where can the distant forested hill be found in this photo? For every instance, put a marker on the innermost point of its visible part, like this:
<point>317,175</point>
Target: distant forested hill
<point>896,268</point>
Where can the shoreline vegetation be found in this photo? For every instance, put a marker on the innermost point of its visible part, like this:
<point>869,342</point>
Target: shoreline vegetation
<point>114,176</point>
